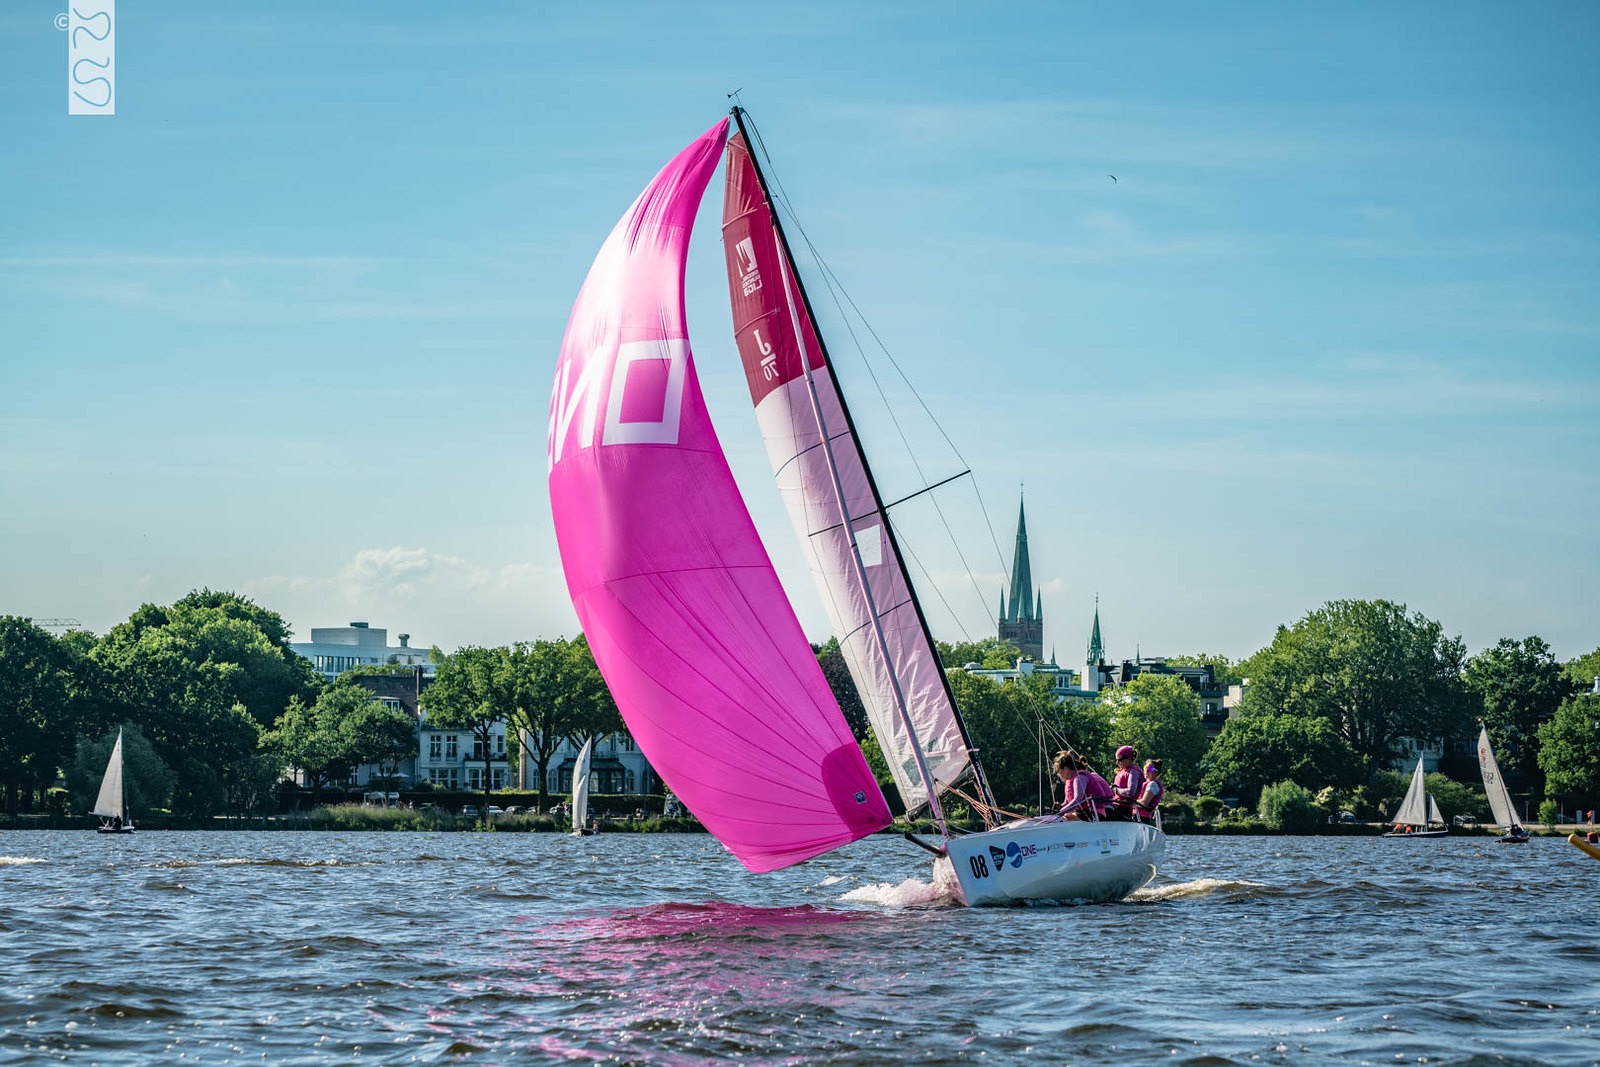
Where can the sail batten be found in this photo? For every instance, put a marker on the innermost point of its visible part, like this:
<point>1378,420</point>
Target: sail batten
<point>687,620</point>
<point>834,506</point>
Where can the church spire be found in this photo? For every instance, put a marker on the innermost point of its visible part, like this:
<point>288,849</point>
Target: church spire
<point>1022,611</point>
<point>1022,602</point>
<point>1097,652</point>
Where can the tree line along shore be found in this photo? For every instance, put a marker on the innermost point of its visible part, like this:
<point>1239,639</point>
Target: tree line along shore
<point>215,708</point>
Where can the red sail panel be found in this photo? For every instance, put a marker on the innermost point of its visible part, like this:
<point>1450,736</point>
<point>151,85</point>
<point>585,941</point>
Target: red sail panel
<point>874,617</point>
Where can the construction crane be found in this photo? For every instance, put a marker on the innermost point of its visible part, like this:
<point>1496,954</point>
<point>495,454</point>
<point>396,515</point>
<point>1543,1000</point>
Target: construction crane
<point>57,624</point>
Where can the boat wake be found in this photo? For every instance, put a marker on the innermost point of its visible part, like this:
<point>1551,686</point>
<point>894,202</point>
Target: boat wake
<point>911,893</point>
<point>1200,887</point>
<point>17,861</point>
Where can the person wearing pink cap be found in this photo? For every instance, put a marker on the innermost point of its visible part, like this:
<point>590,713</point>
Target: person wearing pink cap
<point>1127,785</point>
<point>1150,794</point>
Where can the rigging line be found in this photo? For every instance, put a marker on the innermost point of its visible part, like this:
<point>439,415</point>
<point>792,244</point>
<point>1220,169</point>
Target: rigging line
<point>831,279</point>
<point>886,507</point>
<point>936,592</point>
<point>835,288</point>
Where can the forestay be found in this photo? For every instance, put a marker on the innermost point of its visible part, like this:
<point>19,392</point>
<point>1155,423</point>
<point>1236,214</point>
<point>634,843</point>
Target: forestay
<point>888,649</point>
<point>685,615</point>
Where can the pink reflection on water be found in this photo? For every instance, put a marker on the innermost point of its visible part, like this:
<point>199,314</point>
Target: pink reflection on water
<point>711,971</point>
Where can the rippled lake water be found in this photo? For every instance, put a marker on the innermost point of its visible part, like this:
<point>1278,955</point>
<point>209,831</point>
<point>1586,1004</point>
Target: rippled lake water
<point>309,948</point>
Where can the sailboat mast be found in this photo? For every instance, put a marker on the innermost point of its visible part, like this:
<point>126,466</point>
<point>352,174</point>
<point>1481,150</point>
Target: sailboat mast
<point>872,484</point>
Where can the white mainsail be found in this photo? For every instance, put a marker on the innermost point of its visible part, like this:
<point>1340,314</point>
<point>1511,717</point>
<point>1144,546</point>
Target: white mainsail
<point>843,526</point>
<point>1494,784</point>
<point>1414,808</point>
<point>109,802</point>
<point>580,786</point>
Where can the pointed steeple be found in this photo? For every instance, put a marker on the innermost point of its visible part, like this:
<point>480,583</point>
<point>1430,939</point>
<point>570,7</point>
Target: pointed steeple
<point>1097,651</point>
<point>1021,572</point>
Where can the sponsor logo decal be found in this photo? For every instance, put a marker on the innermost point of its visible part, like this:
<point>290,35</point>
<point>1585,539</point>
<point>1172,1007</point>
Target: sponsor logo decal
<point>998,855</point>
<point>749,273</point>
<point>1017,853</point>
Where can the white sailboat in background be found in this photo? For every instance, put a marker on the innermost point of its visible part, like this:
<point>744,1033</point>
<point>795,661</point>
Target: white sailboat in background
<point>112,803</point>
<point>1494,786</point>
<point>1418,814</point>
<point>580,791</point>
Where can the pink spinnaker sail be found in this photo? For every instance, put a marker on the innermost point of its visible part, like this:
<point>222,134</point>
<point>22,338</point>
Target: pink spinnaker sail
<point>881,632</point>
<point>686,617</point>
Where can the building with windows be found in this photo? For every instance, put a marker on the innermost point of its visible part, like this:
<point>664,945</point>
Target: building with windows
<point>615,766</point>
<point>450,758</point>
<point>333,650</point>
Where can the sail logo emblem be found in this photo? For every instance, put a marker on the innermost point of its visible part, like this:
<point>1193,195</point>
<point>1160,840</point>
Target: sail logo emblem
<point>749,273</point>
<point>643,404</point>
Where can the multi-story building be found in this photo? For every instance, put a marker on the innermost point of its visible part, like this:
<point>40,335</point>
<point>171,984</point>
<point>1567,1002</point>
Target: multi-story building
<point>333,650</point>
<point>615,766</point>
<point>449,758</point>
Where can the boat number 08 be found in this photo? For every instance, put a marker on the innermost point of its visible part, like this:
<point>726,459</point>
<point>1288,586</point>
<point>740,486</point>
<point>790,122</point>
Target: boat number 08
<point>980,866</point>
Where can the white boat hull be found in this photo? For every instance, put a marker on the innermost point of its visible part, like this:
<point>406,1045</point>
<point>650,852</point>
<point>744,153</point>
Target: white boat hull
<point>1051,859</point>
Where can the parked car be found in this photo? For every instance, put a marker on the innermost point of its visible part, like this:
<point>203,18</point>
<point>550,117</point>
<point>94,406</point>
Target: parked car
<point>495,809</point>
<point>1343,816</point>
<point>469,809</point>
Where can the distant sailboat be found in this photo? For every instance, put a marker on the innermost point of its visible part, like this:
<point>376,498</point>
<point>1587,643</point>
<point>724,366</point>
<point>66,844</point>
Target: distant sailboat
<point>112,803</point>
<point>1418,814</point>
<point>1494,786</point>
<point>580,792</point>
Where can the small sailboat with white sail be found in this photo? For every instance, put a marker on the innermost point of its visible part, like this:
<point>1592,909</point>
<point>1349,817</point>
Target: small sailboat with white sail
<point>1494,787</point>
<point>111,804</point>
<point>1418,813</point>
<point>687,619</point>
<point>580,791</point>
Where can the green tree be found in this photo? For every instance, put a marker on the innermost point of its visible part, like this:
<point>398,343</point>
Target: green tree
<point>49,694</point>
<point>473,691</point>
<point>187,706</point>
<point>146,780</point>
<point>1583,670</point>
<point>1002,723</point>
<point>1569,750</point>
<point>1160,717</point>
<point>1289,808</point>
<point>308,737</point>
<point>1519,685</point>
<point>556,694</point>
<point>1365,666</point>
<point>1254,751</point>
<point>229,631</point>
<point>1223,669</point>
<point>991,654</point>
<point>375,733</point>
<point>1457,798</point>
<point>834,669</point>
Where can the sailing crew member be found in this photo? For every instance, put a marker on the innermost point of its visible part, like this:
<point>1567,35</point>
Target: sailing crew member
<point>1074,780</point>
<point>1127,784</point>
<point>1099,789</point>
<point>1150,792</point>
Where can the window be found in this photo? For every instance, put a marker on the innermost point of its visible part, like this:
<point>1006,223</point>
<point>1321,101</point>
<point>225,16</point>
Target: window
<point>474,778</point>
<point>450,749</point>
<point>500,745</point>
<point>498,778</point>
<point>435,746</point>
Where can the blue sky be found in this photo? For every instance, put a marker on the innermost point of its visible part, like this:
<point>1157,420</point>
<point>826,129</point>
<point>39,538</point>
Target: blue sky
<point>286,323</point>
